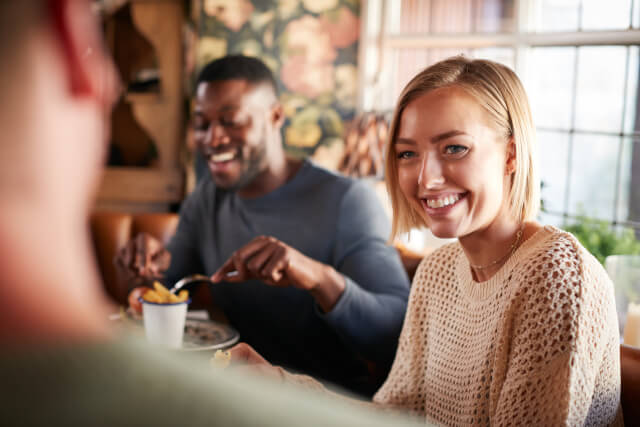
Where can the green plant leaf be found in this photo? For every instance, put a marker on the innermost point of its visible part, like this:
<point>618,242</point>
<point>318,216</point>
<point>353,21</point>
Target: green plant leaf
<point>601,239</point>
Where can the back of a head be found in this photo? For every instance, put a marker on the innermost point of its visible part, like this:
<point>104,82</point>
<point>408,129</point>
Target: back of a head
<point>239,67</point>
<point>53,72</point>
<point>499,91</point>
<point>55,84</point>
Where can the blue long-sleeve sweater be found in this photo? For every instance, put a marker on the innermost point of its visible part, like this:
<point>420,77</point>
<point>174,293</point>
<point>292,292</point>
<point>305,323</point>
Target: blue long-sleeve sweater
<point>332,219</point>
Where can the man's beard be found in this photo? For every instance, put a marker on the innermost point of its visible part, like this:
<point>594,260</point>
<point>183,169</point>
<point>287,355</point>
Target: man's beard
<point>255,165</point>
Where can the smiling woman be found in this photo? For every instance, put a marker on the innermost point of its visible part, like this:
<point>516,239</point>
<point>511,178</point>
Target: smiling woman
<point>515,322</point>
<point>530,311</point>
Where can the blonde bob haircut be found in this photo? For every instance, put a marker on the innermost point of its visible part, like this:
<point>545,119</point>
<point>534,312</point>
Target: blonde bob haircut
<point>500,92</point>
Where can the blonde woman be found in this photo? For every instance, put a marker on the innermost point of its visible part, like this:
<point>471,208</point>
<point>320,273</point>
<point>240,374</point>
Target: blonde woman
<point>515,322</point>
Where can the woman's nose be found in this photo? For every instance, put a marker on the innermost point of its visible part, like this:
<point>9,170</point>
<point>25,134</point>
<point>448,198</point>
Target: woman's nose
<point>430,176</point>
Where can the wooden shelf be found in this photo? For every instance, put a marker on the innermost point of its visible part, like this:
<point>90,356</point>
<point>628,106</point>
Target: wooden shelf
<point>144,185</point>
<point>148,34</point>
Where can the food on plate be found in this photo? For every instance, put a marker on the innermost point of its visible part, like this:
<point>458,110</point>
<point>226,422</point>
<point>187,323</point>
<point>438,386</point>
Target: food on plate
<point>221,359</point>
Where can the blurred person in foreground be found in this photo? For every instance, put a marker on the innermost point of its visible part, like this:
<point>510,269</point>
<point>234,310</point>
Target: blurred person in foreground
<point>514,323</point>
<point>60,362</point>
<point>318,290</point>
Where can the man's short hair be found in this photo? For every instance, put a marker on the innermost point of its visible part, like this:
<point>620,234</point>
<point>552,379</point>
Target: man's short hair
<point>239,67</point>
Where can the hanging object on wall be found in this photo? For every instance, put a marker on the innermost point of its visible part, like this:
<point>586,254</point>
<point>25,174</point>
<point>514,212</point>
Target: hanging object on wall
<point>364,146</point>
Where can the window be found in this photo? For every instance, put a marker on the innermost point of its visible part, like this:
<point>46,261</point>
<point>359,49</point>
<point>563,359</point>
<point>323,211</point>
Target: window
<point>578,60</point>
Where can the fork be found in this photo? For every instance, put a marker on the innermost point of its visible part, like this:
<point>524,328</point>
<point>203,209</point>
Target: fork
<point>195,278</point>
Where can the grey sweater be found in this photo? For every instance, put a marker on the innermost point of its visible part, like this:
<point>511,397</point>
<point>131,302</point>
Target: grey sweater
<point>332,219</point>
<point>126,383</point>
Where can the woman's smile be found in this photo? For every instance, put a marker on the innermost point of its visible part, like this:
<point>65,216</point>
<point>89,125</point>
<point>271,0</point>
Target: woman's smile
<point>441,204</point>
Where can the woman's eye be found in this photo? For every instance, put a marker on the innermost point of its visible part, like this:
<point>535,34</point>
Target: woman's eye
<point>455,149</point>
<point>405,155</point>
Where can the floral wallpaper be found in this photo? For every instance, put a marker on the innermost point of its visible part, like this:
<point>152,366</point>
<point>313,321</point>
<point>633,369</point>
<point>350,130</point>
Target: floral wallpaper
<point>310,45</point>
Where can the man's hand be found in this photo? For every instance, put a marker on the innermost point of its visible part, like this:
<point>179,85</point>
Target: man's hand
<point>278,264</point>
<point>142,260</point>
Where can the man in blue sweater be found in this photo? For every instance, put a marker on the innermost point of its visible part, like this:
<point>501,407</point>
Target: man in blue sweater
<point>317,290</point>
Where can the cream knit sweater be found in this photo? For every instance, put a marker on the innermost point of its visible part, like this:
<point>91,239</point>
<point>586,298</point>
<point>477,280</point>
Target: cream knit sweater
<point>537,344</point>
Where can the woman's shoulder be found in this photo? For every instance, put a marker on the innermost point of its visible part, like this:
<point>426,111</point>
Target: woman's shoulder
<point>561,288</point>
<point>442,259</point>
<point>556,249</point>
<point>558,264</point>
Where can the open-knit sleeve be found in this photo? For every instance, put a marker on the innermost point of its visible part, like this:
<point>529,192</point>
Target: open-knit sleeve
<point>556,357</point>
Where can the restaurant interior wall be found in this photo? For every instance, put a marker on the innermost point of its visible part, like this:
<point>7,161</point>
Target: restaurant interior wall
<point>310,45</point>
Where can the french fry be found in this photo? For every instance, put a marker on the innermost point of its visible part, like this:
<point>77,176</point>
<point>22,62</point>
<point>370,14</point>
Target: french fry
<point>164,293</point>
<point>183,295</point>
<point>220,359</point>
<point>161,295</point>
<point>152,296</point>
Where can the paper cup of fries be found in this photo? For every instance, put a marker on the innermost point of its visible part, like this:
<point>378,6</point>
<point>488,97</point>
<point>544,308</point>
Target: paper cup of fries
<point>164,316</point>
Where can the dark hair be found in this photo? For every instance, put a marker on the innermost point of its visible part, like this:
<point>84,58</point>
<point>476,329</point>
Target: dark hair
<point>240,67</point>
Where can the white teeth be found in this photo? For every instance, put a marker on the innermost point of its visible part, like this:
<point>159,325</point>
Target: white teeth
<point>223,157</point>
<point>445,201</point>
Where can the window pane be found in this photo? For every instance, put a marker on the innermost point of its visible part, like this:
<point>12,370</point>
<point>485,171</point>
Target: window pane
<point>593,175</point>
<point>503,55</point>
<point>600,89</point>
<point>495,16</point>
<point>624,186</point>
<point>606,15</point>
<point>408,62</point>
<point>372,18</point>
<point>636,14</point>
<point>553,150</point>
<point>555,15</point>
<point>550,85</point>
<point>547,218</point>
<point>633,187</point>
<point>460,16</point>
<point>632,90</point>
<point>431,16</point>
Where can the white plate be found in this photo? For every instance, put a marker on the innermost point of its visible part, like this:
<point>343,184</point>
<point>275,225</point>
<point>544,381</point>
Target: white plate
<point>208,335</point>
<point>199,334</point>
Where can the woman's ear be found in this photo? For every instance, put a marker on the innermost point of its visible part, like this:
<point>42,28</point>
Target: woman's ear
<point>91,72</point>
<point>511,157</point>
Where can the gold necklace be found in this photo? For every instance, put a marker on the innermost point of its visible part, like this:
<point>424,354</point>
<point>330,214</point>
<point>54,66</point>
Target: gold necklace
<point>506,256</point>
